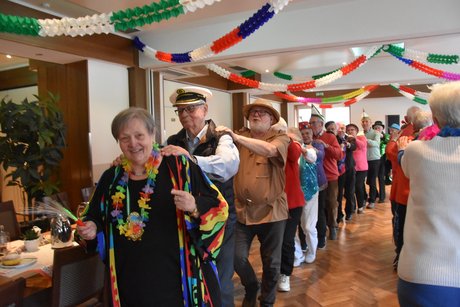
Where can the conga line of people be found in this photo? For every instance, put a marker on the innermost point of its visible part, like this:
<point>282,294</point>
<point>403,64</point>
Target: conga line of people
<point>173,223</point>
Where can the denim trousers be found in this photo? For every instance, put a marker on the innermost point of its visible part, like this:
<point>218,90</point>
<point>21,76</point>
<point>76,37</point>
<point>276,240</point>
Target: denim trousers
<point>224,263</point>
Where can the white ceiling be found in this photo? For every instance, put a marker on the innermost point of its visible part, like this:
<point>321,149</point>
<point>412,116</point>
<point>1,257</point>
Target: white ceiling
<point>308,37</point>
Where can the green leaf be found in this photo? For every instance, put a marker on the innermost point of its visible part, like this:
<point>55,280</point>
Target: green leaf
<point>31,142</point>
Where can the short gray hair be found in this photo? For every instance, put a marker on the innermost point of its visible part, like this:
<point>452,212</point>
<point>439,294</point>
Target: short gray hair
<point>280,126</point>
<point>422,119</point>
<point>294,132</point>
<point>126,115</point>
<point>410,113</point>
<point>445,104</point>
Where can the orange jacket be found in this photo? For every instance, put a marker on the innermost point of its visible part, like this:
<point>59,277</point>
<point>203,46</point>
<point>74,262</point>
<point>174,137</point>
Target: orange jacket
<point>400,183</point>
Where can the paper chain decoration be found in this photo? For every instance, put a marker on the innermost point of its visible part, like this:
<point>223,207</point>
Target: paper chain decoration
<point>230,39</point>
<point>101,23</point>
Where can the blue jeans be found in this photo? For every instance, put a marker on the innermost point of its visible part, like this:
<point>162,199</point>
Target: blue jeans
<point>270,236</point>
<point>413,295</point>
<point>224,264</point>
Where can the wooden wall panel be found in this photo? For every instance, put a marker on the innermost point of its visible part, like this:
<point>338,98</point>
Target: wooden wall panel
<point>157,93</point>
<point>137,87</point>
<point>17,78</point>
<point>70,82</point>
<point>239,101</point>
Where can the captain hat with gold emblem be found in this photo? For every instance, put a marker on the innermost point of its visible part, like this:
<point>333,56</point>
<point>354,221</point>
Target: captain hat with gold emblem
<point>190,95</point>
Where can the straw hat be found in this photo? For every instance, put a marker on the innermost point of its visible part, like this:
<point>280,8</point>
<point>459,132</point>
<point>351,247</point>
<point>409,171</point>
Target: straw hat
<point>261,103</point>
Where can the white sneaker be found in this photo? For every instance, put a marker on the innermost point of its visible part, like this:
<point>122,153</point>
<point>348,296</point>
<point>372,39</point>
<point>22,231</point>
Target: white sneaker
<point>310,257</point>
<point>284,285</point>
<point>298,261</point>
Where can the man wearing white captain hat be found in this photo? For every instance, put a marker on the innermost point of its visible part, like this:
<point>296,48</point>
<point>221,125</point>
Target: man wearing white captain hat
<point>217,156</point>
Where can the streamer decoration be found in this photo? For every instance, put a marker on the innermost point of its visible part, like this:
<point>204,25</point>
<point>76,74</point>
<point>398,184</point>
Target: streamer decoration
<point>417,96</point>
<point>101,23</point>
<point>421,56</point>
<point>429,70</point>
<point>351,101</point>
<point>230,39</point>
<point>326,100</point>
<point>276,87</point>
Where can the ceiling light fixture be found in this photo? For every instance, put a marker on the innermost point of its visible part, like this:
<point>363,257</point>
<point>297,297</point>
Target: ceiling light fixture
<point>267,71</point>
<point>8,56</point>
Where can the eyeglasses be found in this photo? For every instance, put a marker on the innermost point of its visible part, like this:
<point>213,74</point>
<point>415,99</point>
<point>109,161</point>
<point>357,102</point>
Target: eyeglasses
<point>259,112</point>
<point>189,110</point>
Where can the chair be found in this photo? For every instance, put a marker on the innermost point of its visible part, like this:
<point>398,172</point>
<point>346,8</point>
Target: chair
<point>78,277</point>
<point>11,293</point>
<point>9,221</point>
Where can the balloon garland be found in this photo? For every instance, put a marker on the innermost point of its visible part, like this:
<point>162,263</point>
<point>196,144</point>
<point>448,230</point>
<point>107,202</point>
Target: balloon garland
<point>230,39</point>
<point>419,97</point>
<point>274,87</point>
<point>101,23</point>
<point>421,56</point>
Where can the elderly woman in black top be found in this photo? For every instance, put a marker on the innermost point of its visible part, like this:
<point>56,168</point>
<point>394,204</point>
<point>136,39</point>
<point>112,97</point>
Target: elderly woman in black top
<point>158,221</point>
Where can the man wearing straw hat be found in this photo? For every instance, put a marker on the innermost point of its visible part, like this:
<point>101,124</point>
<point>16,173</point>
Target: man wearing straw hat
<point>260,199</point>
<point>218,157</point>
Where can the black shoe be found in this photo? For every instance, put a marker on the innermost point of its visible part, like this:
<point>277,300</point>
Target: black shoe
<point>250,298</point>
<point>340,220</point>
<point>333,233</point>
<point>348,217</point>
<point>322,243</point>
<point>381,201</point>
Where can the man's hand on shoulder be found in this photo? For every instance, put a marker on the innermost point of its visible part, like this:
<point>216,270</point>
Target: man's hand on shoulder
<point>174,151</point>
<point>225,130</point>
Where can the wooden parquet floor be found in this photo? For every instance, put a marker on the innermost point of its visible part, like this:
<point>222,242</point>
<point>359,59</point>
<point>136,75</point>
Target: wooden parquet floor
<point>354,270</point>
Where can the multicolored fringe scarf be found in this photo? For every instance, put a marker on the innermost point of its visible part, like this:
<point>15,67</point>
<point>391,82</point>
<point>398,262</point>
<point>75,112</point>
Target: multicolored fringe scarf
<point>193,255</point>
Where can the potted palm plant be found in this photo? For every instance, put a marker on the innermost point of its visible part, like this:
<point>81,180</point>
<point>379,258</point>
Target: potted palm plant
<point>31,143</point>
